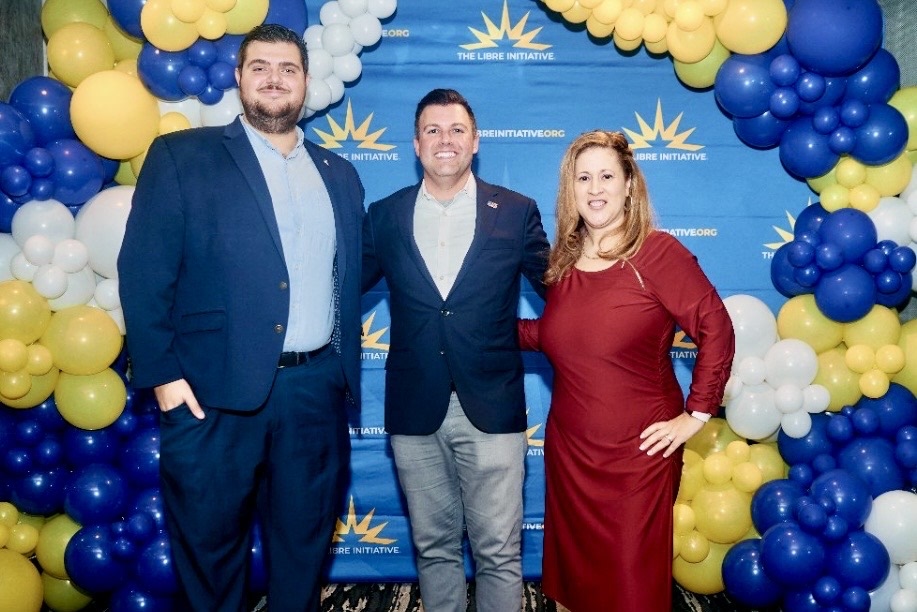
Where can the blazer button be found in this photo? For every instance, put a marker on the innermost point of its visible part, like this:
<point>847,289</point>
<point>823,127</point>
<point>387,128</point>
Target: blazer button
<point>283,285</point>
<point>445,312</point>
<point>278,328</point>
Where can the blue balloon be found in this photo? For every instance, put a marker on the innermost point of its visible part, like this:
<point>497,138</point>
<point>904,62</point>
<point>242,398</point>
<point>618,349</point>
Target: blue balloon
<point>210,96</point>
<point>763,131</point>
<point>811,86</point>
<point>8,209</point>
<point>773,503</point>
<point>902,259</point>
<point>41,189</point>
<point>826,119</point>
<point>853,113</point>
<point>800,601</point>
<point>848,495</point>
<point>45,102</point>
<point>222,75</point>
<point>39,162</point>
<point>877,81</point>
<point>783,274</point>
<point>784,103</point>
<point>131,598</point>
<point>150,502</point>
<point>78,171</point>
<point>84,447</point>
<point>126,14</point>
<point>894,289</point>
<point>834,92</point>
<point>882,137</point>
<point>15,180</point>
<point>804,152</point>
<point>829,256</point>
<point>846,294</point>
<point>808,447</point>
<point>860,560</point>
<point>842,140</point>
<point>228,48</point>
<point>289,13</point>
<point>90,560</point>
<point>834,42</point>
<point>203,53</point>
<point>159,71</point>
<point>743,85</point>
<point>873,461</point>
<point>95,495</point>
<point>49,453</point>
<point>16,135</point>
<point>155,570</point>
<point>139,461</point>
<point>827,590</point>
<point>790,556</point>
<point>41,491</point>
<point>810,219</point>
<point>192,80</point>
<point>17,461</point>
<point>745,578</point>
<point>784,70</point>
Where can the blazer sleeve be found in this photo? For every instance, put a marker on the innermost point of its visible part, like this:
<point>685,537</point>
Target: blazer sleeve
<point>372,271</point>
<point>148,267</point>
<point>536,248</point>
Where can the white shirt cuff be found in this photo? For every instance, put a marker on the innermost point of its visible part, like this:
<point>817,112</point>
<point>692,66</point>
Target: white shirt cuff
<point>702,416</point>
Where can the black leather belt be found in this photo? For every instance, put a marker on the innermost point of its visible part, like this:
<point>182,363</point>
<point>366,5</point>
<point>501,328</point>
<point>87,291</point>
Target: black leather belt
<point>293,358</point>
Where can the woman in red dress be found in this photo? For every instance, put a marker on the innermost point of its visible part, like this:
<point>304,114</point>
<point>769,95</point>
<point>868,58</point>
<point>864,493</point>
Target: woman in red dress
<point>617,289</point>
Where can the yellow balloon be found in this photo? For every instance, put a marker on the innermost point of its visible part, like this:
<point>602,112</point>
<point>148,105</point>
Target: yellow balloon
<point>692,479</point>
<point>4,535</point>
<point>15,385</point>
<point>626,45</point>
<point>114,114</point>
<point>908,343</point>
<point>211,25</point>
<point>84,340</point>
<point>188,11</point>
<point>166,31</point>
<point>768,459</point>
<point>35,520</point>
<point>751,26</point>
<point>835,197</point>
<point>842,383</point>
<point>23,539</point>
<point>860,358</point>
<point>55,14</point>
<point>694,547</point>
<point>890,358</point>
<point>683,519</point>
<point>849,172</point>
<point>125,174</point>
<point>91,402</point>
<point>818,183</point>
<point>693,46</point>
<point>221,5</point>
<point>800,318</point>
<point>41,389</point>
<point>723,514</point>
<point>738,451</point>
<point>9,514</point>
<point>706,577</point>
<point>658,48</point>
<point>576,13</point>
<point>629,25</point>
<point>24,314</point>
<point>128,67</point>
<point>874,383</point>
<point>14,355</point>
<point>880,326</point>
<point>598,29</point>
<point>905,100</point>
<point>864,197</point>
<point>689,15</point>
<point>892,178</point>
<point>717,469</point>
<point>654,28</point>
<point>123,45</point>
<point>747,477</point>
<point>608,11</point>
<point>589,4</point>
<point>78,50</point>
<point>714,436</point>
<point>713,8</point>
<point>245,15</point>
<point>173,122</point>
<point>52,542</point>
<point>63,595</point>
<point>20,583</point>
<point>702,74</point>
<point>40,360</point>
<point>137,162</point>
<point>560,6</point>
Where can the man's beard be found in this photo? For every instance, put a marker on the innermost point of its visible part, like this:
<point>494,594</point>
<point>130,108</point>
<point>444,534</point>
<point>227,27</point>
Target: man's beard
<point>271,120</point>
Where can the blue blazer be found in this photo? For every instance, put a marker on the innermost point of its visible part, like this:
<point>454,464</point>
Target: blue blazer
<point>468,339</point>
<point>202,276</point>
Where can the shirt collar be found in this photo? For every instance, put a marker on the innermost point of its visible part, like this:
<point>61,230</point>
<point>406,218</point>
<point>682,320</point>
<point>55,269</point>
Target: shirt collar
<point>469,189</point>
<point>253,133</point>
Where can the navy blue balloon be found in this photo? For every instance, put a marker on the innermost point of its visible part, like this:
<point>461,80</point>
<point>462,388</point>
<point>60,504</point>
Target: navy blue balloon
<point>150,502</point>
<point>159,71</point>
<point>860,560</point>
<point>192,80</point>
<point>228,48</point>
<point>842,140</point>
<point>882,137</point>
<point>840,429</point>
<point>774,502</point>
<point>155,569</point>
<point>856,599</point>
<point>834,92</point>
<point>84,447</point>
<point>804,152</point>
<point>852,230</point>
<point>784,103</point>
<point>808,447</point>
<point>827,590</point>
<point>139,459</point>
<point>126,14</point>
<point>16,135</point>
<point>90,560</point>
<point>96,494</point>
<point>902,259</point>
<point>906,454</point>
<point>790,556</point>
<point>41,491</point>
<point>901,293</point>
<point>872,459</point>
<point>877,81</point>
<point>743,85</point>
<point>203,53</point>
<point>801,473</point>
<point>811,86</point>
<point>17,461</point>
<point>39,162</point>
<point>222,76</point>
<point>289,13</point>
<point>800,601</point>
<point>210,96</point>
<point>783,273</point>
<point>745,578</point>
<point>131,598</point>
<point>8,208</point>
<point>784,70</point>
<point>846,294</point>
<point>854,112</point>
<point>849,495</point>
<point>78,171</point>
<point>826,119</point>
<point>49,453</point>
<point>45,102</point>
<point>810,219</point>
<point>834,42</point>
<point>762,131</point>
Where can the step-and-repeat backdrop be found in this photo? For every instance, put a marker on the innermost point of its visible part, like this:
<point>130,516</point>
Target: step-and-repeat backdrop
<point>535,82</point>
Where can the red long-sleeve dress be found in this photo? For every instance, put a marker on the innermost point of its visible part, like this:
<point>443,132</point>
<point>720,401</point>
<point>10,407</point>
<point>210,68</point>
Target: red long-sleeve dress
<point>608,336</point>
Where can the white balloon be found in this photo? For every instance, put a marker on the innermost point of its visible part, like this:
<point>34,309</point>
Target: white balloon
<point>752,370</point>
<point>318,96</point>
<point>796,424</point>
<point>893,520</point>
<point>106,294</point>
<point>367,30</point>
<point>70,255</point>
<point>223,112</point>
<point>336,85</point>
<point>880,597</point>
<point>117,315</point>
<point>904,600</point>
<point>38,249</point>
<point>8,250</point>
<point>189,107</point>
<point>46,217</point>
<point>313,37</point>
<point>815,399</point>
<point>754,323</point>
<point>791,361</point>
<point>100,227</point>
<point>321,64</point>
<point>788,398</point>
<point>22,268</point>
<point>382,9</point>
<point>80,288</point>
<point>348,67</point>
<point>908,576</point>
<point>331,13</point>
<point>892,219</point>
<point>50,281</point>
<point>752,414</point>
<point>352,8</point>
<point>734,386</point>
<point>337,39</point>
<point>357,48</point>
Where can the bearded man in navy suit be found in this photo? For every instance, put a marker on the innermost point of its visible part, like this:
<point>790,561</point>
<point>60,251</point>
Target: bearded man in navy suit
<point>452,250</point>
<point>240,283</point>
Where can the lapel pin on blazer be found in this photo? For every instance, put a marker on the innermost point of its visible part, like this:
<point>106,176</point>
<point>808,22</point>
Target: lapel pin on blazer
<point>492,204</point>
<point>326,161</point>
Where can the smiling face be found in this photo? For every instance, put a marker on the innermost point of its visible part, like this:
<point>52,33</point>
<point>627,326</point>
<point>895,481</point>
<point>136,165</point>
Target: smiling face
<point>445,143</point>
<point>272,86</point>
<point>600,188</point>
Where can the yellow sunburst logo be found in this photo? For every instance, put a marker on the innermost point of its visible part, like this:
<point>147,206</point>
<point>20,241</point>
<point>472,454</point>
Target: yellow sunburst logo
<point>681,342</point>
<point>785,235</point>
<point>669,133</point>
<point>368,534</point>
<point>530,434</point>
<point>516,33</point>
<point>370,339</point>
<point>361,134</point>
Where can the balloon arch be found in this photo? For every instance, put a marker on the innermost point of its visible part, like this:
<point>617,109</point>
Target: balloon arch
<point>802,496</point>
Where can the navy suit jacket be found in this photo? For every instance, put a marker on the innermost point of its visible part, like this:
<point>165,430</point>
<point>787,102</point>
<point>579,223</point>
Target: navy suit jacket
<point>469,338</point>
<point>202,276</point>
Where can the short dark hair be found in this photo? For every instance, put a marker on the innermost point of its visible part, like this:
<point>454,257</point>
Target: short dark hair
<point>274,33</point>
<point>442,97</point>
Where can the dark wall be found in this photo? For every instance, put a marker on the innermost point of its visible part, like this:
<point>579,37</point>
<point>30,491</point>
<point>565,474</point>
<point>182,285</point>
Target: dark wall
<point>21,43</point>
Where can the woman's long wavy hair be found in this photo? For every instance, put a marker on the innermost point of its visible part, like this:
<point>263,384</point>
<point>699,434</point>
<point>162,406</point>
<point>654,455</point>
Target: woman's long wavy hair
<point>571,231</point>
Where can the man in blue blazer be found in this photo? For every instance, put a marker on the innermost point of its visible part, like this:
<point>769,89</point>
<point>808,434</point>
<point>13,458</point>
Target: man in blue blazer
<point>453,250</point>
<point>239,279</point>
